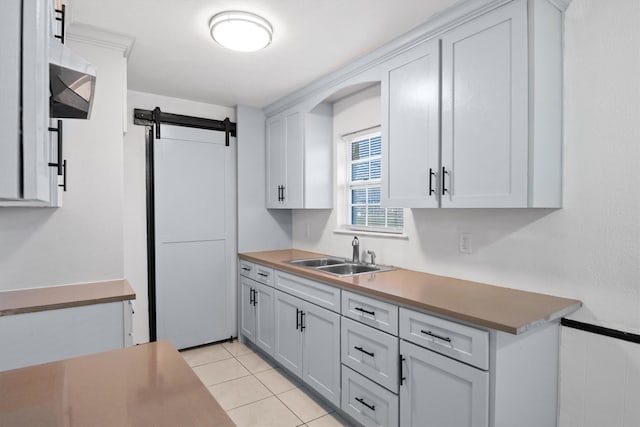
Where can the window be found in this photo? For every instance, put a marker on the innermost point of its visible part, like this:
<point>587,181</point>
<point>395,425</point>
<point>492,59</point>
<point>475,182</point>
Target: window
<point>364,185</point>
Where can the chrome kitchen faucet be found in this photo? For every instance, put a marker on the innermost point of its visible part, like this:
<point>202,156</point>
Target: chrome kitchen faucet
<point>356,250</point>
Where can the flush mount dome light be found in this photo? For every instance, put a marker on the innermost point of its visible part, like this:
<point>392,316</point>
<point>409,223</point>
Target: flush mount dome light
<point>241,31</point>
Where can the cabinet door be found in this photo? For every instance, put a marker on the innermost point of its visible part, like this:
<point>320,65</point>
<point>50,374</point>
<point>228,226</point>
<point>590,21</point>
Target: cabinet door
<point>10,170</point>
<point>411,127</point>
<point>25,175</point>
<point>438,391</point>
<point>285,161</point>
<point>321,364</point>
<point>265,333</point>
<point>288,342</point>
<point>294,155</point>
<point>247,309</point>
<point>485,111</point>
<point>35,97</point>
<point>276,152</point>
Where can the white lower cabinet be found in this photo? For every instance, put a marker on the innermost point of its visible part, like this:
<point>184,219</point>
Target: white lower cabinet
<point>371,352</point>
<point>366,401</point>
<point>257,313</point>
<point>438,391</point>
<point>385,365</point>
<point>307,342</point>
<point>247,310</point>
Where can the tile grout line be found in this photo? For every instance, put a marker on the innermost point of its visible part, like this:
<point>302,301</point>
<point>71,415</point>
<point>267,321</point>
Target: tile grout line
<point>272,394</point>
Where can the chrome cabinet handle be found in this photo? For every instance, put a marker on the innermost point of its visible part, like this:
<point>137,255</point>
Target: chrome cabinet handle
<point>431,334</point>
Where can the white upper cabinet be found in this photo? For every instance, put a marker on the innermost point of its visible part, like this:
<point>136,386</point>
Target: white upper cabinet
<point>411,121</point>
<point>26,179</point>
<point>497,82</point>
<point>484,111</point>
<point>300,158</point>
<point>284,157</point>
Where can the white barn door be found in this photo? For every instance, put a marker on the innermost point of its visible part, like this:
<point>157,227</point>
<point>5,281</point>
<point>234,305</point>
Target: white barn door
<point>195,236</point>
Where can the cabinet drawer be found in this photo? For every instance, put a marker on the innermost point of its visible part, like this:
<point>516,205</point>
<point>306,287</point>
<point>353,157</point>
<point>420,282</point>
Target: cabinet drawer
<point>372,312</point>
<point>371,352</point>
<point>366,401</point>
<point>264,274</point>
<point>247,269</point>
<point>464,343</point>
<point>318,293</point>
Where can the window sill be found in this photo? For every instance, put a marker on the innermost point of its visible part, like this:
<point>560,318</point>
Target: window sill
<point>400,236</point>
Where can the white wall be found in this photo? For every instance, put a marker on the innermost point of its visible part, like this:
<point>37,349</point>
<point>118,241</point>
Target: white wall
<point>82,241</point>
<point>135,213</point>
<point>589,249</point>
<point>259,229</point>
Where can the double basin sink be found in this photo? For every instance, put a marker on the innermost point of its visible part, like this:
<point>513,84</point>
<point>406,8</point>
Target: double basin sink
<point>339,267</point>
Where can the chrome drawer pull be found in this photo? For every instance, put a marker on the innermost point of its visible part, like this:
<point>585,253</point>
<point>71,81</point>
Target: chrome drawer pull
<point>372,407</point>
<point>368,353</point>
<point>431,334</point>
<point>373,313</point>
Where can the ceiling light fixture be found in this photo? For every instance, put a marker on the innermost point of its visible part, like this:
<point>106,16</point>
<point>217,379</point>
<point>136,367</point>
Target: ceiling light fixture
<point>241,31</point>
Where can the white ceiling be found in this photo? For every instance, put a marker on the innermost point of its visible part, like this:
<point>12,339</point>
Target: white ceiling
<point>173,54</point>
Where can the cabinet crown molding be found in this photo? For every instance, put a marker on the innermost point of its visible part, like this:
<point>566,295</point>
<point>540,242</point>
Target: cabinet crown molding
<point>436,25</point>
<point>85,33</point>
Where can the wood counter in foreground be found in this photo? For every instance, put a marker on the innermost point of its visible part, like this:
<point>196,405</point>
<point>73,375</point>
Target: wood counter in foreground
<point>504,309</point>
<point>146,385</point>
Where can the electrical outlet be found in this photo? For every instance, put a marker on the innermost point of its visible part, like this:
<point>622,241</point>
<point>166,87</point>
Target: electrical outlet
<point>465,243</point>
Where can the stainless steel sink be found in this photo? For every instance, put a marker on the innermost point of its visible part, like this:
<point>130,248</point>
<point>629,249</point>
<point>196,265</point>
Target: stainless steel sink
<point>350,269</point>
<point>338,266</point>
<point>316,262</point>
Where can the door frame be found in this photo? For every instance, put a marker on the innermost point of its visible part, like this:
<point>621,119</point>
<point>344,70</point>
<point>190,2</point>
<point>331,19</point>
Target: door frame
<point>152,119</point>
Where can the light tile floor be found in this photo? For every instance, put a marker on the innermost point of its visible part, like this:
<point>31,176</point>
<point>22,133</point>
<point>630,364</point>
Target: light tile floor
<point>253,392</point>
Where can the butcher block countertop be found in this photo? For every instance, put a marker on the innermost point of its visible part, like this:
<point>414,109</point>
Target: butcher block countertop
<point>55,297</point>
<point>504,309</point>
<point>145,385</point>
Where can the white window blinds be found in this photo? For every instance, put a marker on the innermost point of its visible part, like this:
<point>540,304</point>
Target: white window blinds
<point>364,181</point>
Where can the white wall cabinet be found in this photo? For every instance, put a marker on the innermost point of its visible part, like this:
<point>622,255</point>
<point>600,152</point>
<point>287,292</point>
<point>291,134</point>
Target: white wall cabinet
<point>300,158</point>
<point>500,93</point>
<point>438,391</point>
<point>485,138</point>
<point>25,153</point>
<point>410,109</point>
<point>308,344</point>
<point>47,336</point>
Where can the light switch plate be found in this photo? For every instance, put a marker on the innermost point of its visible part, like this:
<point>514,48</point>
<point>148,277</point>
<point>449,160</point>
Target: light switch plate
<point>465,243</point>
